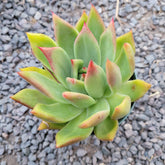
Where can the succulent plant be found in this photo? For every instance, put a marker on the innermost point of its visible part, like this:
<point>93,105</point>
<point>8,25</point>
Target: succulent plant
<point>85,84</point>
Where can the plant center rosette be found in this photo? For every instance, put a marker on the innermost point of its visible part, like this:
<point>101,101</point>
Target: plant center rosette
<point>84,86</point>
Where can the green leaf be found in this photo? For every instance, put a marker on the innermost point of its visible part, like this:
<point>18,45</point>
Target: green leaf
<point>30,97</point>
<point>126,38</point>
<point>135,89</point>
<point>59,62</point>
<point>77,64</point>
<point>40,40</point>
<point>107,129</point>
<point>76,85</point>
<point>114,78</point>
<point>96,114</point>
<point>71,133</point>
<point>78,99</point>
<point>48,125</point>
<point>108,44</point>
<point>65,35</point>
<point>95,23</point>
<point>126,62</point>
<point>58,113</point>
<point>86,47</point>
<point>49,87</point>
<point>81,21</point>
<point>95,80</point>
<point>123,109</point>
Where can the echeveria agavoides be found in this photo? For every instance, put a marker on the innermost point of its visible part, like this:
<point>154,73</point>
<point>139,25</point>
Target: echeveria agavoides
<point>85,85</point>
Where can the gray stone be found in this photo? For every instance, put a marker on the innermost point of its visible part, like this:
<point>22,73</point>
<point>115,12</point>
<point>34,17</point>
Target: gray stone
<point>2,150</point>
<point>147,145</point>
<point>133,149</point>
<point>151,152</point>
<point>81,152</point>
<point>37,15</point>
<point>99,155</point>
<point>32,11</point>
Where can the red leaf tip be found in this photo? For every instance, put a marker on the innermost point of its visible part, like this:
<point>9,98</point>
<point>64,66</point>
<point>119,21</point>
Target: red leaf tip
<point>91,68</point>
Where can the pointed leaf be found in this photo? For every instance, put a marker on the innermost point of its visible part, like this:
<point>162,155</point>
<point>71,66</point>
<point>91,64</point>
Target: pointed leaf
<point>96,114</point>
<point>135,89</point>
<point>40,40</point>
<point>78,99</point>
<point>71,133</point>
<point>108,44</point>
<point>86,47</point>
<point>76,85</point>
<point>126,62</point>
<point>77,64</point>
<point>31,97</point>
<point>49,87</point>
<point>58,112</point>
<point>47,125</point>
<point>39,70</point>
<point>95,80</point>
<point>113,75</point>
<point>107,129</point>
<point>95,23</point>
<point>59,62</point>
<point>81,21</point>
<point>122,110</point>
<point>65,35</point>
<point>126,38</point>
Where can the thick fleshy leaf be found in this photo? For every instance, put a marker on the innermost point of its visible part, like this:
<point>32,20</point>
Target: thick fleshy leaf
<point>76,85</point>
<point>59,62</point>
<point>108,44</point>
<point>107,129</point>
<point>77,64</point>
<point>49,87</point>
<point>78,99</point>
<point>81,21</point>
<point>95,23</point>
<point>135,89</point>
<point>86,47</point>
<point>58,112</point>
<point>39,70</point>
<point>122,110</point>
<point>47,125</point>
<point>96,114</point>
<point>126,62</point>
<point>31,97</point>
<point>126,38</point>
<point>95,80</point>
<point>71,133</point>
<point>113,75</point>
<point>65,35</point>
<point>40,40</point>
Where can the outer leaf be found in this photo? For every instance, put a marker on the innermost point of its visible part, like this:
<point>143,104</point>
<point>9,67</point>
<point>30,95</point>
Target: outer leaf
<point>49,87</point>
<point>107,129</point>
<point>108,44</point>
<point>76,85</point>
<point>86,47</point>
<point>71,133</point>
<point>126,38</point>
<point>48,125</point>
<point>31,97</point>
<point>65,35</point>
<point>81,21</point>
<point>126,62</point>
<point>59,62</point>
<point>95,23</point>
<point>39,70</point>
<point>135,89</point>
<point>113,75</point>
<point>58,113</point>
<point>78,99</point>
<point>77,64</point>
<point>95,80</point>
<point>96,114</point>
<point>40,40</point>
<point>122,110</point>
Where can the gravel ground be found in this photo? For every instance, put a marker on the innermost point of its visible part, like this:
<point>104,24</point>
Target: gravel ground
<point>140,139</point>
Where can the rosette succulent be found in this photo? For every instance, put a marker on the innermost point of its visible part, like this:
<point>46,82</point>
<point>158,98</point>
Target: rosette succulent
<point>85,84</point>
